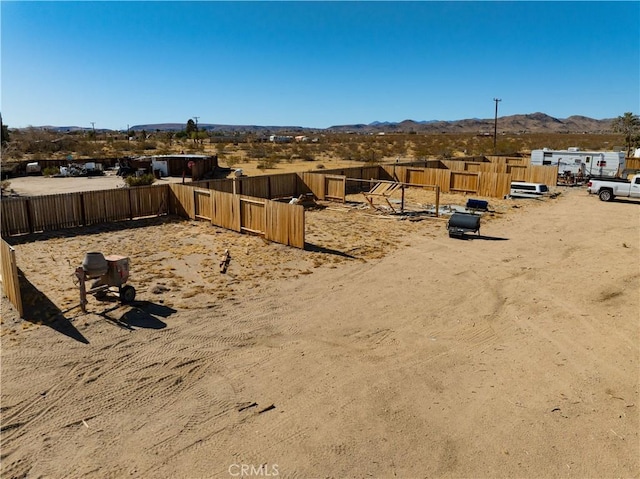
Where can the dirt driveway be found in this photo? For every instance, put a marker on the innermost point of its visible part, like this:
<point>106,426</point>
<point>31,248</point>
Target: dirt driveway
<point>386,349</point>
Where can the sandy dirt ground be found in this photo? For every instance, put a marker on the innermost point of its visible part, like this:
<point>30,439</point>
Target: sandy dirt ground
<point>384,349</point>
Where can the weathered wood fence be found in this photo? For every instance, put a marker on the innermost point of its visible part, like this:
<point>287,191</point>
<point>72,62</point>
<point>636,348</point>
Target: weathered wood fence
<point>9,276</point>
<point>633,163</point>
<point>480,178</point>
<point>268,186</point>
<point>68,210</point>
<point>486,183</point>
<point>276,221</point>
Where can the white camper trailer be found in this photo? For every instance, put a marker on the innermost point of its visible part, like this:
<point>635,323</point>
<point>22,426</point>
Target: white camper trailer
<point>577,162</point>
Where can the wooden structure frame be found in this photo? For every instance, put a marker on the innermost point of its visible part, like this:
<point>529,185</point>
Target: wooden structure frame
<point>384,190</point>
<point>387,192</point>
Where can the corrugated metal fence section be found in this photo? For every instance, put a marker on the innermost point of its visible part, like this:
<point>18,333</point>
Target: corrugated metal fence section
<point>54,212</point>
<point>276,221</point>
<point>9,278</point>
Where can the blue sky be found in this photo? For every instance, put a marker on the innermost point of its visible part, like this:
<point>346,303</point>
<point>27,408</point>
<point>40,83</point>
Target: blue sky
<point>314,64</point>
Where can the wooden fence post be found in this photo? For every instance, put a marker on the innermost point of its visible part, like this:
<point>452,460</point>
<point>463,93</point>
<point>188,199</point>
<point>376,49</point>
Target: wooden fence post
<point>83,218</point>
<point>130,205</point>
<point>27,206</point>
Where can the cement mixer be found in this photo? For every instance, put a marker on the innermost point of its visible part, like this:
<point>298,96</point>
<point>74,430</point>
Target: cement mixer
<point>107,272</point>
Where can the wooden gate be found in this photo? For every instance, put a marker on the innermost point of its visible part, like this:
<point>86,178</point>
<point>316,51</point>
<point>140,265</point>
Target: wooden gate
<point>466,182</point>
<point>202,204</point>
<point>335,187</point>
<point>252,216</point>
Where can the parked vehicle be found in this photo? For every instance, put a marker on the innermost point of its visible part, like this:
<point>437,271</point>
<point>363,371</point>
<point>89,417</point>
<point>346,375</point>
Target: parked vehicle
<point>607,189</point>
<point>521,189</point>
<point>33,169</point>
<point>581,163</point>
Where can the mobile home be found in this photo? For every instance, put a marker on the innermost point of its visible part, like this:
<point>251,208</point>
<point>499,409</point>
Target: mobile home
<point>577,162</point>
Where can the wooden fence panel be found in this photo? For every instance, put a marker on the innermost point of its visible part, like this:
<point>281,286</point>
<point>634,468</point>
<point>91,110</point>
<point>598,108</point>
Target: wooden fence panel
<point>518,172</point>
<point>543,174</point>
<point>10,280</point>
<point>296,226</point>
<point>284,223</point>
<point>398,173</point>
<point>632,163</point>
<point>15,216</point>
<point>415,176</point>
<point>364,173</point>
<point>225,185</point>
<point>486,167</point>
<point>203,204</point>
<point>226,210</point>
<point>315,182</point>
<point>301,185</point>
<point>509,160</point>
<point>497,185</point>
<point>454,165</point>
<point>439,177</point>
<point>277,222</point>
<point>181,201</point>
<point>335,187</point>
<point>464,181</point>
<point>284,185</point>
<point>53,212</point>
<point>200,184</point>
<point>117,204</point>
<point>95,210</point>
<point>149,200</point>
<point>256,186</point>
<point>252,215</point>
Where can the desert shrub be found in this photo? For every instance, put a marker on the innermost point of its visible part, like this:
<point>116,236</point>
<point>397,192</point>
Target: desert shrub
<point>320,166</point>
<point>267,163</point>
<point>143,180</point>
<point>50,171</point>
<point>257,152</point>
<point>232,160</point>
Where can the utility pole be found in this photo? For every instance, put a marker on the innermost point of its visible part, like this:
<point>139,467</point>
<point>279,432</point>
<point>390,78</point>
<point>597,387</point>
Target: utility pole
<point>93,127</point>
<point>128,136</point>
<point>495,126</point>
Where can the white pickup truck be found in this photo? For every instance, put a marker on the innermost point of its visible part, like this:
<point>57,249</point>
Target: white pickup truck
<point>609,189</point>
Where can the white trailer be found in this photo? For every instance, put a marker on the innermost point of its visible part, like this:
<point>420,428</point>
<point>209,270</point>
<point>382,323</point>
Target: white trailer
<point>581,163</point>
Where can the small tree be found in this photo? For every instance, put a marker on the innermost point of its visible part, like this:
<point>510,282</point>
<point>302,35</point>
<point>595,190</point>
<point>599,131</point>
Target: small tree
<point>629,125</point>
<point>5,132</point>
<point>192,130</point>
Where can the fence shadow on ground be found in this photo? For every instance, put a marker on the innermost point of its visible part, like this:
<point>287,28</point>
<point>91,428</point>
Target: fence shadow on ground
<point>321,249</point>
<point>94,229</point>
<point>39,309</point>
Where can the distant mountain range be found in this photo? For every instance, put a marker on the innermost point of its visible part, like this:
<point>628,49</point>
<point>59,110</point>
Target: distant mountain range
<point>528,123</point>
